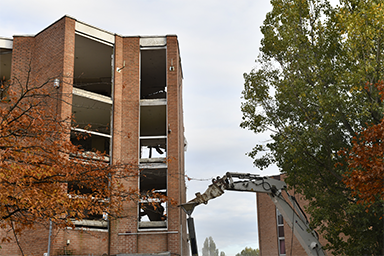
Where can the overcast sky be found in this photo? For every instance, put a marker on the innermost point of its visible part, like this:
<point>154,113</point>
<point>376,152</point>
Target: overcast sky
<point>219,41</point>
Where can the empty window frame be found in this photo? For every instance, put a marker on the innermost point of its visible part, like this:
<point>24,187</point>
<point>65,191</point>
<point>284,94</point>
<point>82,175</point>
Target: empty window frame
<point>153,149</point>
<point>5,71</point>
<point>93,65</point>
<point>280,233</point>
<point>153,180</point>
<point>90,142</point>
<point>92,118</point>
<point>153,120</point>
<point>91,112</point>
<point>153,132</point>
<point>153,79</point>
<point>91,220</point>
<point>152,214</point>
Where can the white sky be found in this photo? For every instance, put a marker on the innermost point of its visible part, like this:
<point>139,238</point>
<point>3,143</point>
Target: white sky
<point>219,41</point>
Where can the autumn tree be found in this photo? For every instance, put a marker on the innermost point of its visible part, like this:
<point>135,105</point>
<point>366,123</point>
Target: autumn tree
<point>248,251</point>
<point>43,176</point>
<point>314,90</point>
<point>366,163</point>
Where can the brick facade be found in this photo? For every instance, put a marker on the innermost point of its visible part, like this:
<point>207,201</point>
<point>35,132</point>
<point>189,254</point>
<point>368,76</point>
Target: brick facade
<point>52,53</point>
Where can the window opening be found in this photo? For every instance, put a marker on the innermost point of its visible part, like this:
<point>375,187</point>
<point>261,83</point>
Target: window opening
<point>153,133</point>
<point>153,74</point>
<point>92,115</point>
<point>5,72</point>
<point>153,148</point>
<point>153,180</point>
<point>90,142</point>
<point>91,220</point>
<point>93,70</point>
<point>153,213</point>
<point>153,120</point>
<point>280,233</point>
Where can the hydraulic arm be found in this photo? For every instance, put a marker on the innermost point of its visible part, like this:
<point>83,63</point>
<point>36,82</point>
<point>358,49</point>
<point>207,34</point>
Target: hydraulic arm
<point>294,216</point>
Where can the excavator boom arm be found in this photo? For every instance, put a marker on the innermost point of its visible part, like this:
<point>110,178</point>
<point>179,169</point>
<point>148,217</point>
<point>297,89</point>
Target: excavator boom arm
<point>253,183</point>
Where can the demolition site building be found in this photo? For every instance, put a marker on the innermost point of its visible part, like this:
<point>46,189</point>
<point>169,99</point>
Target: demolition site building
<point>129,88</point>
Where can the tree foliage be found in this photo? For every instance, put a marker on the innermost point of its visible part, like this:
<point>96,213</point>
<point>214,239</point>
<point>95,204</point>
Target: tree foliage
<point>248,251</point>
<point>365,162</point>
<point>314,90</point>
<point>39,165</point>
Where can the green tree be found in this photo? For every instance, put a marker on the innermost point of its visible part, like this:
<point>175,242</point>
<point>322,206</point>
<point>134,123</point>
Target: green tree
<point>314,90</point>
<point>248,251</point>
<point>209,248</point>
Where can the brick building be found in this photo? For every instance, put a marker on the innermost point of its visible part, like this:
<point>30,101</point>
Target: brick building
<point>129,88</point>
<point>275,236</point>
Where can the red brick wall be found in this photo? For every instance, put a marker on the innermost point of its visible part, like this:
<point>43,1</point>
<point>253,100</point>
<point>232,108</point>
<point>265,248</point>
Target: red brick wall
<point>80,242</point>
<point>130,101</point>
<point>266,220</point>
<point>153,243</point>
<point>33,242</point>
<point>48,53</point>
<point>176,182</point>
<point>126,135</point>
<point>21,57</point>
<point>68,68</point>
<point>118,102</point>
<point>174,168</point>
